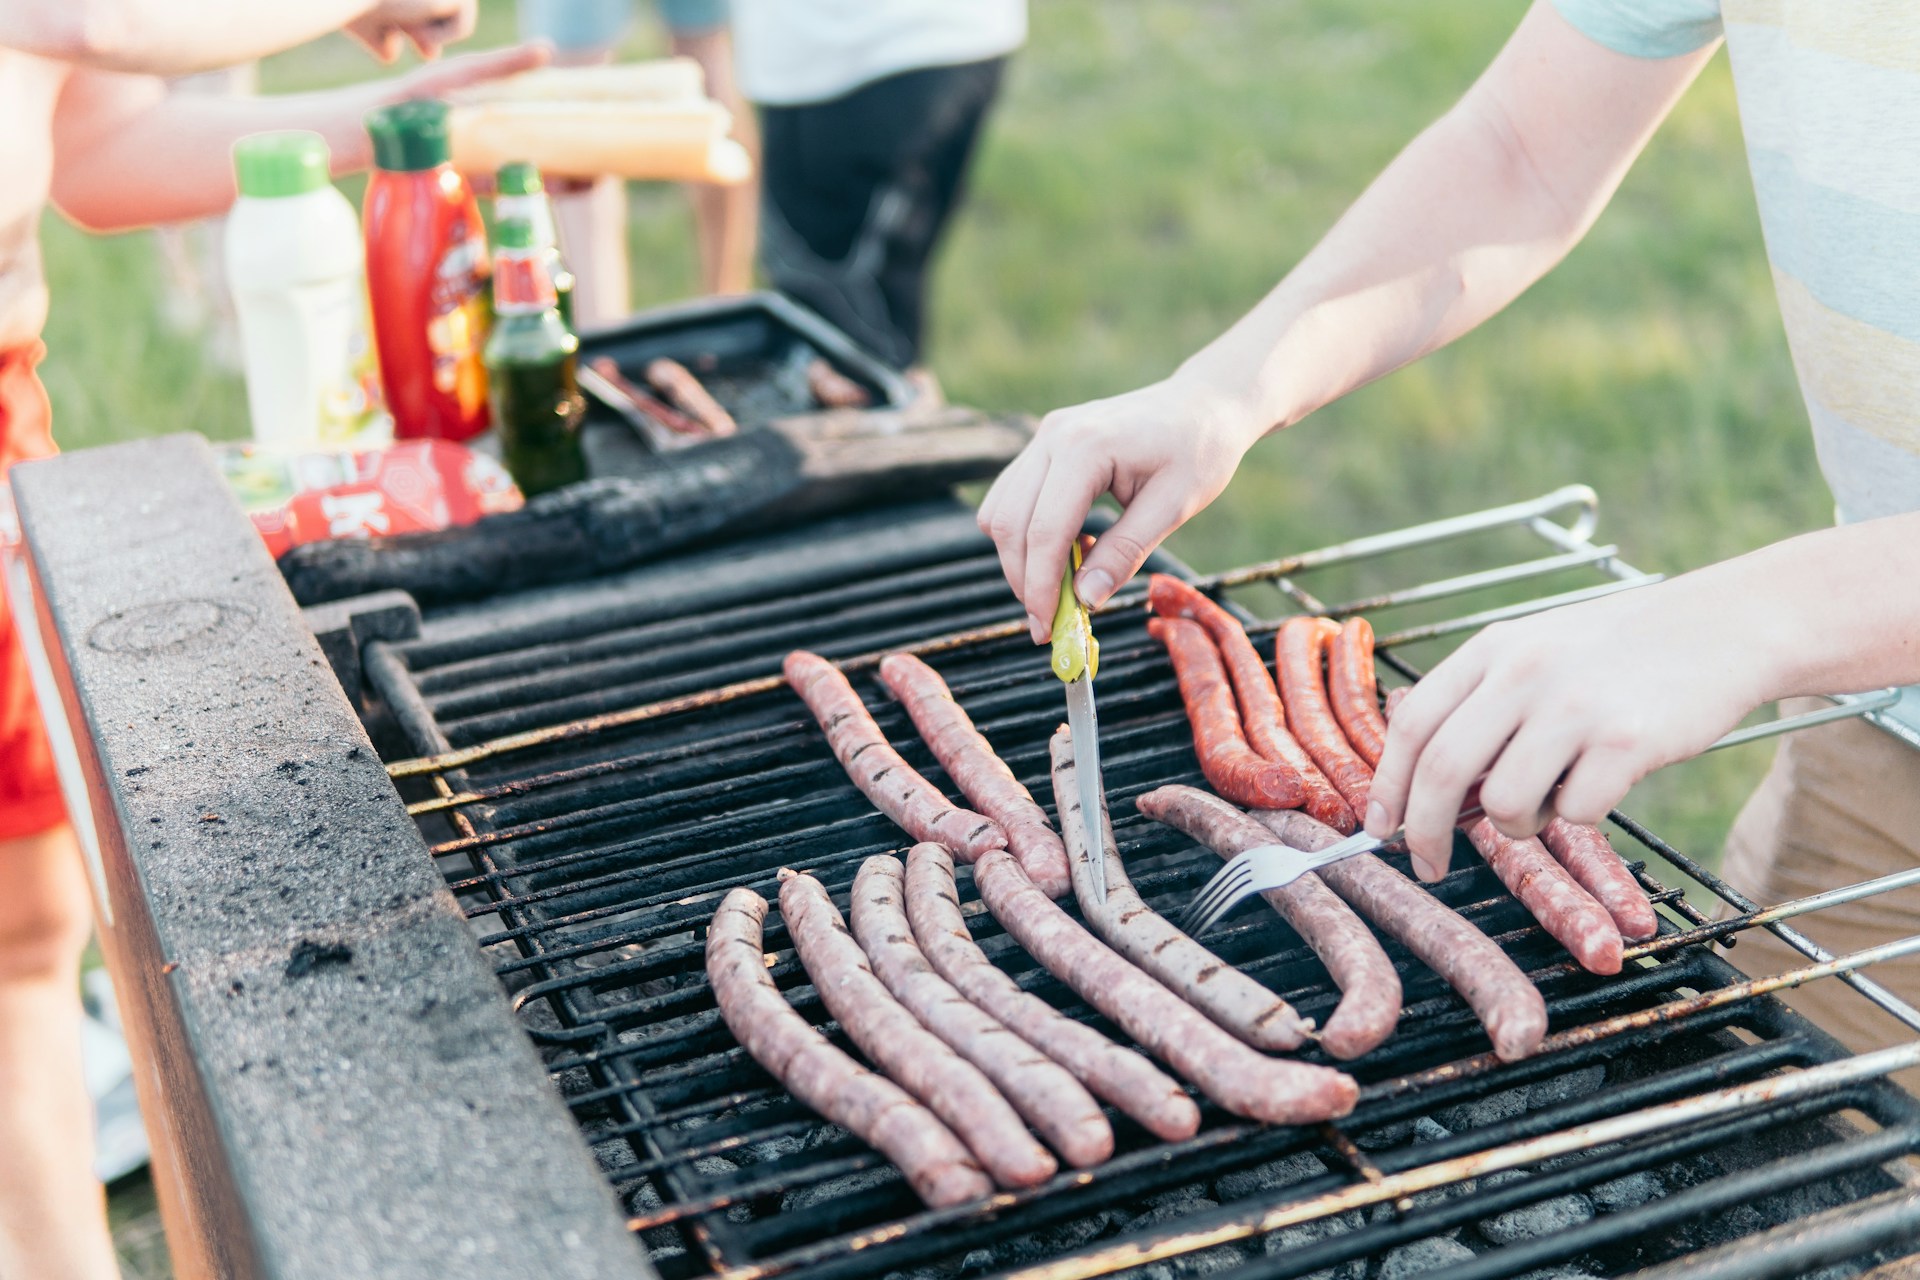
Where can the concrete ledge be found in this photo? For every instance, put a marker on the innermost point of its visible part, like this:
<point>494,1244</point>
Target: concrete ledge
<point>336,1085</point>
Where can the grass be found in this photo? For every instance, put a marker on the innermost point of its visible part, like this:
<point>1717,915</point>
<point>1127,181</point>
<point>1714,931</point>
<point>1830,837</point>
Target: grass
<point>1153,168</point>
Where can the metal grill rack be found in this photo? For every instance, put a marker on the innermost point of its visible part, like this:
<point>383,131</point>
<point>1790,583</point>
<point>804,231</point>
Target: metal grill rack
<point>600,763</point>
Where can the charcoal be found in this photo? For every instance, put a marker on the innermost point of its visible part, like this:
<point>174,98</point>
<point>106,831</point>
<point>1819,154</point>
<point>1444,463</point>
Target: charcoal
<point>850,1184</point>
<point>1050,1242</point>
<point>1288,1239</point>
<point>1426,1129</point>
<point>1630,1192</point>
<point>1556,1273</point>
<point>826,1135</point>
<point>977,1262</point>
<point>1386,1137</point>
<point>1169,1209</point>
<point>1284,1172</point>
<point>1544,1218</point>
<point>1481,1112</point>
<point>775,1148</point>
<point>1423,1256</point>
<point>1563,1088</point>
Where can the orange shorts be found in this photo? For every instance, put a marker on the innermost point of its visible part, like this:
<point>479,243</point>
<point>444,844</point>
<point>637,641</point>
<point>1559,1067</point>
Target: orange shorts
<point>29,793</point>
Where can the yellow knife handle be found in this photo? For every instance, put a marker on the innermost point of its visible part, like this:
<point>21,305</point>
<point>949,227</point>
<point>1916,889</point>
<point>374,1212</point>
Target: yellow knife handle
<point>1075,651</point>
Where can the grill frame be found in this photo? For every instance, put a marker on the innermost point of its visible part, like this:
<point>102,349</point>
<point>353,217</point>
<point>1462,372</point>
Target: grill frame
<point>449,765</point>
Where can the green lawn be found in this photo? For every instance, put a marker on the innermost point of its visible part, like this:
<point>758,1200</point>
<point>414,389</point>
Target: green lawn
<point>1154,167</point>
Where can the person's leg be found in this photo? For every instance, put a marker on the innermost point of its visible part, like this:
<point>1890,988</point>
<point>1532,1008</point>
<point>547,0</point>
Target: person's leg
<point>1840,805</point>
<point>726,219</point>
<point>53,1221</point>
<point>592,221</point>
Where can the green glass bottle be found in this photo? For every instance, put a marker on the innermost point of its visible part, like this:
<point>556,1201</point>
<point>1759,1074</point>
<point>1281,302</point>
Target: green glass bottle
<point>532,358</point>
<point>519,193</point>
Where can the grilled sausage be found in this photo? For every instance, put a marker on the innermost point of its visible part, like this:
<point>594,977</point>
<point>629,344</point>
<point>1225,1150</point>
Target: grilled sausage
<point>877,769</point>
<point>1369,1005</point>
<point>1590,859</point>
<point>1144,936</point>
<point>682,390</point>
<point>953,1088</point>
<point>1555,899</point>
<point>1299,654</point>
<point>1040,1089</point>
<point>1116,1074</point>
<point>937,1164</point>
<point>1235,769</point>
<point>1272,1090</point>
<point>1352,685</point>
<point>834,389</point>
<point>1508,1005</point>
<point>1261,716</point>
<point>981,775</point>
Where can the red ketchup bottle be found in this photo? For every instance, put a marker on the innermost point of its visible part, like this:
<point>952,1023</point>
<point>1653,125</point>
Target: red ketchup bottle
<point>427,276</point>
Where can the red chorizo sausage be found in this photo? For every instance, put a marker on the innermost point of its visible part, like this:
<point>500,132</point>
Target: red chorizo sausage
<point>834,389</point>
<point>1272,1090</point>
<point>982,776</point>
<point>874,1109</point>
<point>1351,686</point>
<point>1233,767</point>
<point>1044,1093</point>
<point>1144,936</point>
<point>877,769</point>
<point>1555,899</point>
<point>1589,858</point>
<point>1261,715</point>
<point>953,1088</point>
<point>1369,1005</point>
<point>682,390</point>
<point>1117,1074</point>
<point>1299,654</point>
<point>1509,1006</point>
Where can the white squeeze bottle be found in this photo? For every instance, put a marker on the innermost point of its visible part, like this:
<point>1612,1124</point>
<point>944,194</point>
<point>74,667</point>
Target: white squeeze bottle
<point>295,261</point>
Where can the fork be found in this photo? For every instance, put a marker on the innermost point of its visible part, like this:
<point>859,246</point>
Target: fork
<point>1274,866</point>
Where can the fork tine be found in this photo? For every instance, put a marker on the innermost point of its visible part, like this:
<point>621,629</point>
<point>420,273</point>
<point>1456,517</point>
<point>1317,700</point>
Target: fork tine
<point>1217,896</point>
<point>1219,911</point>
<point>1228,872</point>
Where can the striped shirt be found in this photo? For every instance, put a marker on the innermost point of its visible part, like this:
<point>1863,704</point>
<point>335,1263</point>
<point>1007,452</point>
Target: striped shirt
<point>1829,96</point>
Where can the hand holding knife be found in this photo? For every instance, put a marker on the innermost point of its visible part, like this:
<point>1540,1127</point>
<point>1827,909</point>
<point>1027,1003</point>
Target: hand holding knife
<point>1076,659</point>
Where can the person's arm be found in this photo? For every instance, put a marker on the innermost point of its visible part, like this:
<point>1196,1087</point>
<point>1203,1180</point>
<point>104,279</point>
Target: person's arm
<point>178,37</point>
<point>1603,693</point>
<point>1476,208</point>
<point>128,154</point>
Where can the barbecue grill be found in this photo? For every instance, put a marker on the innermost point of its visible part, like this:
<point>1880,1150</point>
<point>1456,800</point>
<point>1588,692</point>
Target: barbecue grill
<point>587,768</point>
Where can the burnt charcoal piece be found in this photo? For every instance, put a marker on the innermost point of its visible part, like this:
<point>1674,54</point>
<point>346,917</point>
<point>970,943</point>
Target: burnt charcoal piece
<point>308,956</point>
<point>802,466</point>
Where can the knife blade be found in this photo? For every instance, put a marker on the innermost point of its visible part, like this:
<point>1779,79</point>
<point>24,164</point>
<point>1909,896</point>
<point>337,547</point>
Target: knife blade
<point>1076,659</point>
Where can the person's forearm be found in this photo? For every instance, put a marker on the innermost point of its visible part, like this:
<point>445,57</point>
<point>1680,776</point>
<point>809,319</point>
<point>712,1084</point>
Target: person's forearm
<point>1834,611</point>
<point>165,37</point>
<point>1451,232</point>
<point>173,162</point>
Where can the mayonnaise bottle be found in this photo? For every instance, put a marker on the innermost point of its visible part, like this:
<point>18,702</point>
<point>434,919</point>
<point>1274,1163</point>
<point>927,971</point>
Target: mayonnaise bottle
<point>294,260</point>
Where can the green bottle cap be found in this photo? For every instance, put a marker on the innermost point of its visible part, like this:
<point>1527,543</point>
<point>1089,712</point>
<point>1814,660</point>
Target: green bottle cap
<point>513,233</point>
<point>518,178</point>
<point>286,162</point>
<point>409,136</point>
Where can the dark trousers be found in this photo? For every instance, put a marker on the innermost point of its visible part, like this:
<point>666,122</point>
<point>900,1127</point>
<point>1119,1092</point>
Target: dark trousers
<point>858,190</point>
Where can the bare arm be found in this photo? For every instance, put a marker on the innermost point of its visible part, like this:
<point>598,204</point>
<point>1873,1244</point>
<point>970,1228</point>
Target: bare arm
<point>128,154</point>
<point>1477,208</point>
<point>1605,692</point>
<point>175,37</point>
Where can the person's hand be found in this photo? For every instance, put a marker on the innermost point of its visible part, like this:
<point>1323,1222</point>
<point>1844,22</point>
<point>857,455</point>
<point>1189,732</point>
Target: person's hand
<point>428,24</point>
<point>1599,694</point>
<point>1164,452</point>
<point>438,79</point>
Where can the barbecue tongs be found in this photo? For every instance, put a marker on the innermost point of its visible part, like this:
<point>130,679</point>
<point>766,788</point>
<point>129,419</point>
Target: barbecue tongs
<point>1076,658</point>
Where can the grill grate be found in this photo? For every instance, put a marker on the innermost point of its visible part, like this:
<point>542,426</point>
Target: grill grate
<point>590,859</point>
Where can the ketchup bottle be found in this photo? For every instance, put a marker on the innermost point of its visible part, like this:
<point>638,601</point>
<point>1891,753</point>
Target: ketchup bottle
<point>427,276</point>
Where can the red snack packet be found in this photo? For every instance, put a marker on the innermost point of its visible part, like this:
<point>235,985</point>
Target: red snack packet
<point>406,488</point>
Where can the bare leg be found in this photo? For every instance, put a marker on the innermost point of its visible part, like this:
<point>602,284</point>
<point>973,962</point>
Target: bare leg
<point>53,1220</point>
<point>725,218</point>
<point>593,238</point>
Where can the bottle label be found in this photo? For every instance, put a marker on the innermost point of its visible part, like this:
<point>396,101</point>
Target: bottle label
<point>457,316</point>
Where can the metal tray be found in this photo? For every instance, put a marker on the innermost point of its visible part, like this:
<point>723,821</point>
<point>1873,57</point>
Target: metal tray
<point>751,352</point>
